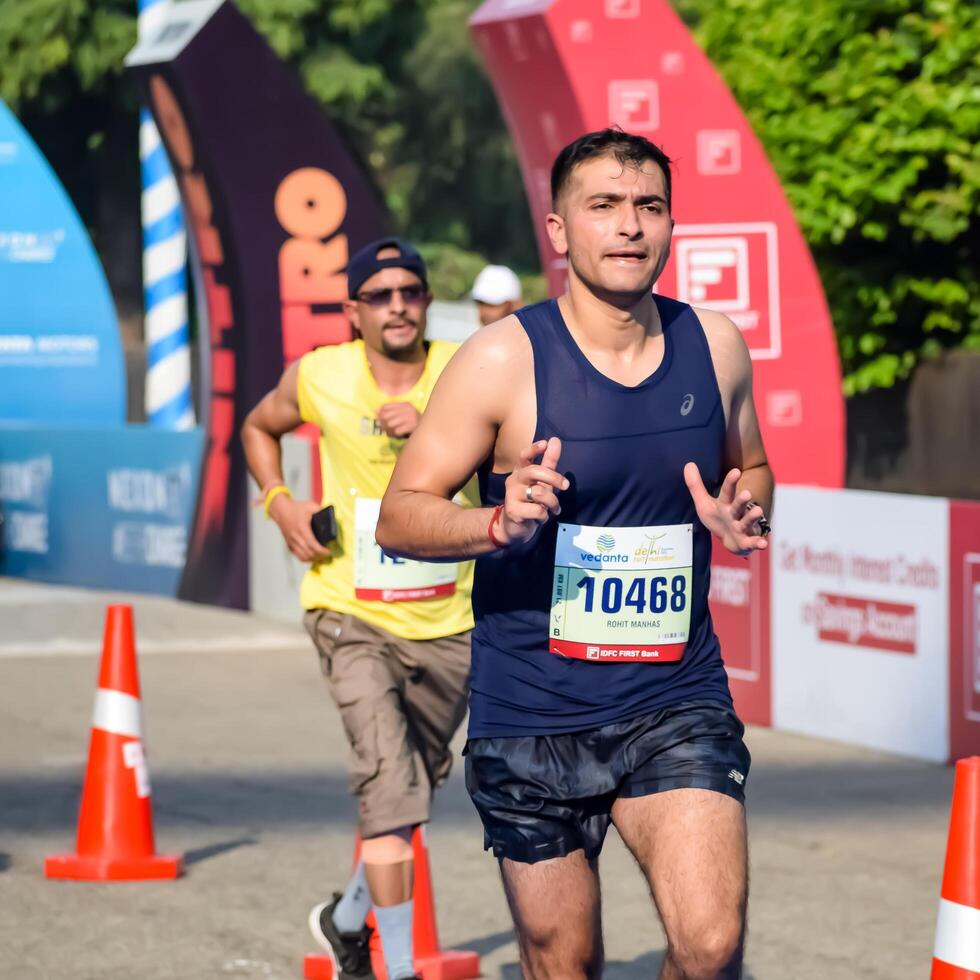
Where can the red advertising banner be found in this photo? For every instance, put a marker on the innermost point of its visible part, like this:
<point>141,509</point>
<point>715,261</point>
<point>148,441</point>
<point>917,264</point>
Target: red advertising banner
<point>864,622</point>
<point>564,67</point>
<point>964,629</point>
<point>739,601</point>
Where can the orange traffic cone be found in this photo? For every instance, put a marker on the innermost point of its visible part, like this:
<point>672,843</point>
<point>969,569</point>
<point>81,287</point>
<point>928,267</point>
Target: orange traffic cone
<point>431,961</point>
<point>115,823</point>
<point>957,952</point>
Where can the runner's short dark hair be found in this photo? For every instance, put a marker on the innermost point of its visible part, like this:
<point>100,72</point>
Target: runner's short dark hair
<point>628,149</point>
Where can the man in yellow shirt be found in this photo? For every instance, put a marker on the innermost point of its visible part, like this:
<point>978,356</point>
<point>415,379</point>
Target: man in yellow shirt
<point>393,636</point>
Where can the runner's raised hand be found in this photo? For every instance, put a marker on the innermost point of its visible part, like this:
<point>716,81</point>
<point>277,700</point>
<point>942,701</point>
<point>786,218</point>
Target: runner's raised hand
<point>728,516</point>
<point>530,499</point>
<point>398,419</point>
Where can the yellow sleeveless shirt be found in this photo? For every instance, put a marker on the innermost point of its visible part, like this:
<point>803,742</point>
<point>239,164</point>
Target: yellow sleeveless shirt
<point>413,600</point>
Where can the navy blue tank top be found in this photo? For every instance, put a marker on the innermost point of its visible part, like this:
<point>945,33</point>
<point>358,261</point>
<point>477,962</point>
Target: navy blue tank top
<point>623,452</point>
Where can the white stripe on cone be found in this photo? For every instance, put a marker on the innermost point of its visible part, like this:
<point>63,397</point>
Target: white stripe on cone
<point>958,935</point>
<point>117,713</point>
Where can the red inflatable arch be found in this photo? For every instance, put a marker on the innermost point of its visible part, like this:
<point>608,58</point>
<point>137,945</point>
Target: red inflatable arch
<point>565,67</point>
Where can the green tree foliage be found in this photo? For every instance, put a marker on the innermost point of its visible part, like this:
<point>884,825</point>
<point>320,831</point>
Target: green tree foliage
<point>52,51</point>
<point>870,112</point>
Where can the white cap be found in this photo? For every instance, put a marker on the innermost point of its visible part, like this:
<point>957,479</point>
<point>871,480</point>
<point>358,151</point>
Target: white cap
<point>496,284</point>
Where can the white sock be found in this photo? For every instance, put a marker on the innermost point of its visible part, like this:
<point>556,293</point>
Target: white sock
<point>395,926</point>
<point>352,909</point>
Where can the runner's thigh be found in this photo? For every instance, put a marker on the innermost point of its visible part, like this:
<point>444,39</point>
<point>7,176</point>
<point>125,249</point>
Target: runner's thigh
<point>691,845</point>
<point>556,910</point>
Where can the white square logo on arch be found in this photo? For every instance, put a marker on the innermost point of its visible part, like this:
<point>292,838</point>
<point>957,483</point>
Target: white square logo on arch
<point>784,407</point>
<point>515,41</point>
<point>734,269</point>
<point>634,105</point>
<point>719,152</point>
<point>622,9</point>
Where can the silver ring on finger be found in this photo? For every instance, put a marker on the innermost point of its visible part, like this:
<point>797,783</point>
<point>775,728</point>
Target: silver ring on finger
<point>529,494</point>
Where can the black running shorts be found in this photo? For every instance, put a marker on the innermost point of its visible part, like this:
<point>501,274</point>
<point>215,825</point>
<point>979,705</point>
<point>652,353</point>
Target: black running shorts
<point>544,796</point>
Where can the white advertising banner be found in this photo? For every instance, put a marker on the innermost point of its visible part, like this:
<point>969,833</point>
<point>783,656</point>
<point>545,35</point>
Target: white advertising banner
<point>860,615</point>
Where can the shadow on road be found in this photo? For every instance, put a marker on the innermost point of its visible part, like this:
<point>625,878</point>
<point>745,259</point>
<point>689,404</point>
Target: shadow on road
<point>818,792</point>
<point>261,800</point>
<point>4,861</point>
<point>213,850</point>
<point>487,944</point>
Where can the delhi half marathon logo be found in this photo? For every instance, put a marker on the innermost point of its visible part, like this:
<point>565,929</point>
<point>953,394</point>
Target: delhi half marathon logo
<point>605,543</point>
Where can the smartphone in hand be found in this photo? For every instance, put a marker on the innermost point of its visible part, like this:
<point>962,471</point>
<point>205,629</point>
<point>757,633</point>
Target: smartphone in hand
<point>324,525</point>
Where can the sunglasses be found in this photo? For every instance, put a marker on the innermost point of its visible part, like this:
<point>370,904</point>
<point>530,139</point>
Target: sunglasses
<point>382,297</point>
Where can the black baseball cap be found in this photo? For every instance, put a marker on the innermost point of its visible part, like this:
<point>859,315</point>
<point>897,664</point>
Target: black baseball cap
<point>365,263</point>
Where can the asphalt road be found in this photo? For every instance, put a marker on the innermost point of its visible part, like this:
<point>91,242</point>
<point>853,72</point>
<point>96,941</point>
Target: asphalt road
<point>247,762</point>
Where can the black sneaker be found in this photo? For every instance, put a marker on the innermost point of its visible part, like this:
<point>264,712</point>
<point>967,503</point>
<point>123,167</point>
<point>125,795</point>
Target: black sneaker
<point>348,950</point>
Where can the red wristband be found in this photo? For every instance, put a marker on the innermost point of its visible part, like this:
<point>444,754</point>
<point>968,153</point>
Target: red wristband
<point>493,520</point>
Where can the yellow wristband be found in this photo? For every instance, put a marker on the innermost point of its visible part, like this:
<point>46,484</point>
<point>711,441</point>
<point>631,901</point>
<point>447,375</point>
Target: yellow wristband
<point>273,493</point>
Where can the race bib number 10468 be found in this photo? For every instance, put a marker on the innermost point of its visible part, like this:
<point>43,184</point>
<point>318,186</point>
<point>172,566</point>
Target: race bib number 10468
<point>622,594</point>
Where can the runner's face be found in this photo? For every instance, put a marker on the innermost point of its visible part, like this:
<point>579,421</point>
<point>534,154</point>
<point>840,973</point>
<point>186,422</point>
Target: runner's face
<point>492,312</point>
<point>391,322</point>
<point>615,227</point>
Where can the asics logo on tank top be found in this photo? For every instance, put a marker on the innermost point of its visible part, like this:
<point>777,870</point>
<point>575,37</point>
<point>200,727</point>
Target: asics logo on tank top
<point>687,404</point>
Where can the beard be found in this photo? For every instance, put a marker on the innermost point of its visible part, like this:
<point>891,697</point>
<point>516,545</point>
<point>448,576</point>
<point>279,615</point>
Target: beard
<point>398,348</point>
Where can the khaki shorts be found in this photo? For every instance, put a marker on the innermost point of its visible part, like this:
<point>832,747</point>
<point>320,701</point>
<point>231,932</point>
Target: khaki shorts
<point>401,702</point>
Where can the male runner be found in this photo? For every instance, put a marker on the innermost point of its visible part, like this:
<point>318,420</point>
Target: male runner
<point>496,292</point>
<point>392,635</point>
<point>598,690</point>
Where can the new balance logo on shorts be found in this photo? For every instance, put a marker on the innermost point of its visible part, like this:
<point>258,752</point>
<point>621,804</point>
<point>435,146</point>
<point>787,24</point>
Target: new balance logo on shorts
<point>737,776</point>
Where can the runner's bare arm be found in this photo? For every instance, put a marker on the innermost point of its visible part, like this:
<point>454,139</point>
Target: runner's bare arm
<point>274,416</point>
<point>456,434</point>
<point>743,440</point>
<point>749,478</point>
